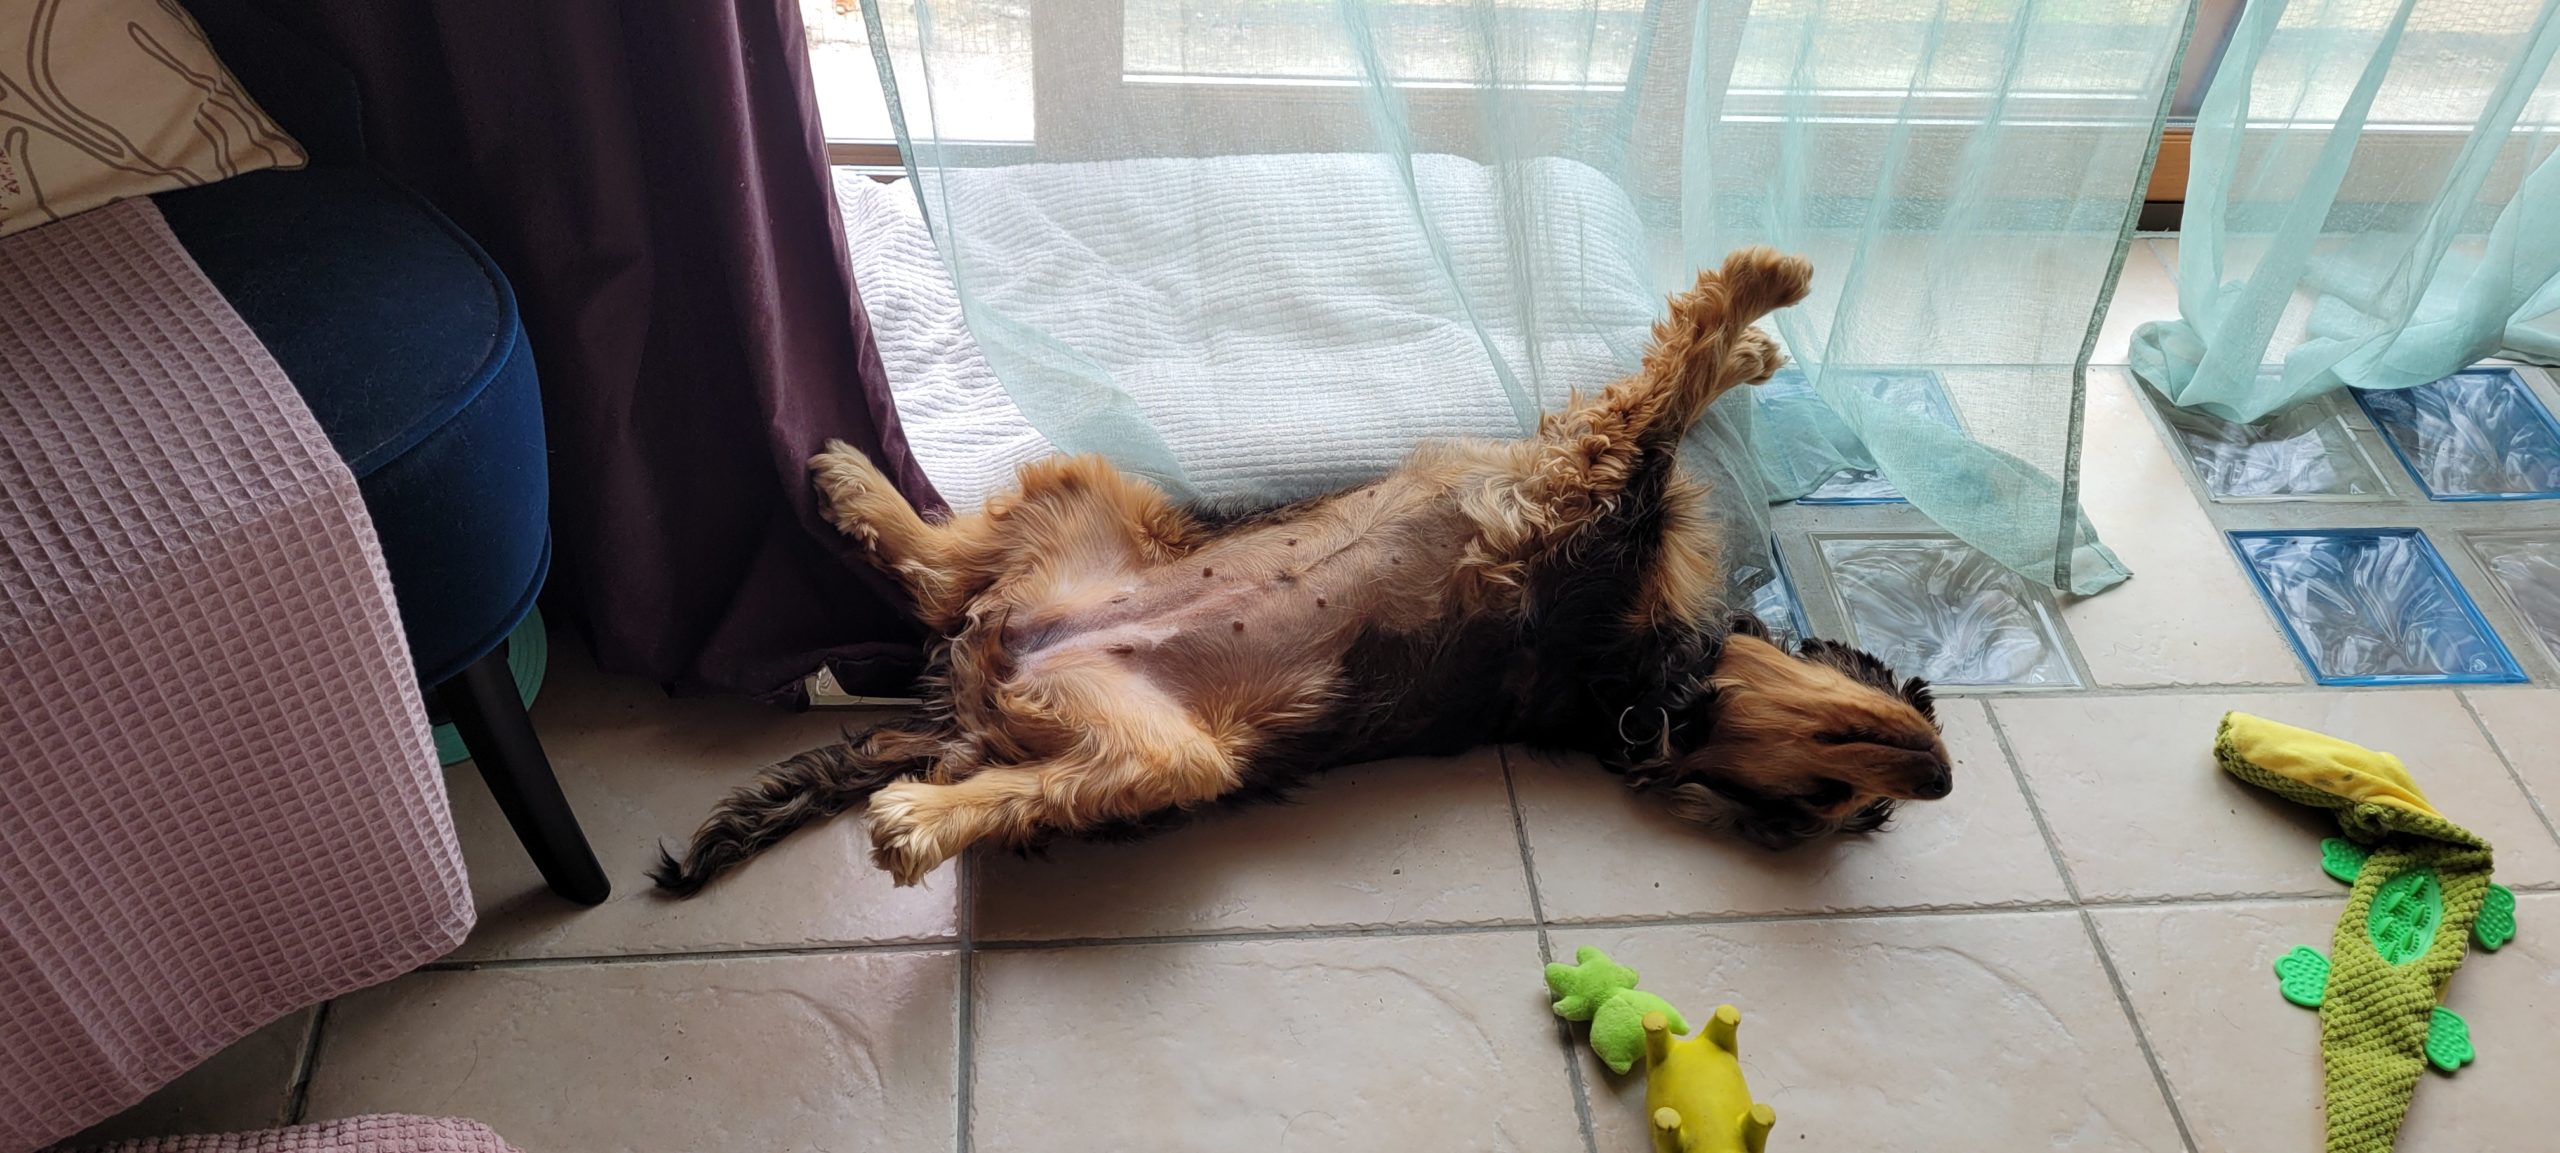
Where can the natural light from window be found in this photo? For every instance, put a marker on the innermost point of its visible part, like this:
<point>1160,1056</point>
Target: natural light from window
<point>1565,43</point>
<point>1892,52</point>
<point>982,62</point>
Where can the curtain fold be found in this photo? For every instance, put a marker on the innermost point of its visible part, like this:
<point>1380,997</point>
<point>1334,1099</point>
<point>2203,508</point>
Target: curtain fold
<point>2371,202</point>
<point>1343,226</point>
<point>653,179</point>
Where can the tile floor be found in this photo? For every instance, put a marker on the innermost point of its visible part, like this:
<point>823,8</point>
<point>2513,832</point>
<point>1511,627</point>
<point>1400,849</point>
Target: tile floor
<point>2074,950</point>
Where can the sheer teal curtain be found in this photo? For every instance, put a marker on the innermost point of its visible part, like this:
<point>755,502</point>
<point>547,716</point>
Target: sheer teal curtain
<point>2372,201</point>
<point>1255,248</point>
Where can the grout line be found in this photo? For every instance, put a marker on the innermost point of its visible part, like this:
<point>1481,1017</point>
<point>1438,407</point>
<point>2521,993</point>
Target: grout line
<point>1347,932</point>
<point>752,953</point>
<point>1918,912</point>
<point>2044,828</point>
<point>2141,1038</point>
<point>965,1055</point>
<point>2089,927</point>
<point>1547,952</point>
<point>1528,856</point>
<point>2512,774</point>
<point>1248,936</point>
<point>1989,693</point>
<point>298,1099</point>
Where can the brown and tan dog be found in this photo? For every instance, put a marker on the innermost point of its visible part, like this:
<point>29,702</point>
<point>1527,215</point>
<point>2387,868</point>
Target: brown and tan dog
<point>1108,658</point>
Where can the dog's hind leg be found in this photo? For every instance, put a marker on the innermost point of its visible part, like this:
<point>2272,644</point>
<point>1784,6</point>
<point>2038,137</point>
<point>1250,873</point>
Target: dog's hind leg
<point>941,565</point>
<point>819,783</point>
<point>1067,512</point>
<point>915,826</point>
<point>1134,751</point>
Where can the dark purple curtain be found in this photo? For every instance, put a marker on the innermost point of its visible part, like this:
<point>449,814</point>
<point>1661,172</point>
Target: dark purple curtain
<point>653,179</point>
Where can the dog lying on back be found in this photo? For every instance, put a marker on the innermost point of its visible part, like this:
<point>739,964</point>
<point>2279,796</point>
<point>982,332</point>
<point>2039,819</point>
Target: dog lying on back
<point>1107,658</point>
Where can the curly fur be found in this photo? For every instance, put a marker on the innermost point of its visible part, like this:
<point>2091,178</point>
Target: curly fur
<point>1109,660</point>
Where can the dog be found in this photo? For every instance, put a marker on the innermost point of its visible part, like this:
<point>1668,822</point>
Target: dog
<point>1108,659</point>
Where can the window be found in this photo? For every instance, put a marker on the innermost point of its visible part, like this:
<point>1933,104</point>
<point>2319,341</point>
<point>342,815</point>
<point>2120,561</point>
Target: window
<point>1104,65</point>
<point>983,93</point>
<point>1545,43</point>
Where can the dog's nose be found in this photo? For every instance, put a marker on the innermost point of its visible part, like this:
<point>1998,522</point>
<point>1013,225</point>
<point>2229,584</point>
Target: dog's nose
<point>1937,786</point>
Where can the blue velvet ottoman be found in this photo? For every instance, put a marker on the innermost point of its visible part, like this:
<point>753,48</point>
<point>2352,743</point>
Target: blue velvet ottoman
<point>403,338</point>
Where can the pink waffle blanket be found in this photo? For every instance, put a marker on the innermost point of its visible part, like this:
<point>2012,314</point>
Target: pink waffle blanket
<point>218,797</point>
<point>376,1133</point>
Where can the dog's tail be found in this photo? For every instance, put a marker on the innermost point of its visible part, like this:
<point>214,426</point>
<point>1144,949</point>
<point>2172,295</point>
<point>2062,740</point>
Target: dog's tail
<point>813,785</point>
<point>1707,345</point>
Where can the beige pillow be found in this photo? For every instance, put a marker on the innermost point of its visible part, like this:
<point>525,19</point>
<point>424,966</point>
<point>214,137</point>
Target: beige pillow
<point>101,100</point>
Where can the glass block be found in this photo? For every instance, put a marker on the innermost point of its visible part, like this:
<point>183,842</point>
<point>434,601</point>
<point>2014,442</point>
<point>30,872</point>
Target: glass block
<point>1779,607</point>
<point>2373,606</point>
<point>2526,566</point>
<point>2303,453</point>
<point>2478,435</point>
<point>1933,607</point>
<point>1911,391</point>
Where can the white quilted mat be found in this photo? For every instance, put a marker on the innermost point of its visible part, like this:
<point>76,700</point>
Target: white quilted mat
<point>963,429</point>
<point>1280,321</point>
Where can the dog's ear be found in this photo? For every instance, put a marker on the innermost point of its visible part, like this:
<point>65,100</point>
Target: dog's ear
<point>1746,624</point>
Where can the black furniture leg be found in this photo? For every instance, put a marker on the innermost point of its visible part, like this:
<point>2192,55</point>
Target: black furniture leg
<point>490,716</point>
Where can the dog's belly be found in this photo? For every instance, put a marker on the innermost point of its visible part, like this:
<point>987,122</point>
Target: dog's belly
<point>1218,637</point>
<point>1257,621</point>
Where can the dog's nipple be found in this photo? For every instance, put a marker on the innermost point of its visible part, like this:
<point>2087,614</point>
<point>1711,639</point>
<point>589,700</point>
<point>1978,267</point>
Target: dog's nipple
<point>1208,572</point>
<point>1239,626</point>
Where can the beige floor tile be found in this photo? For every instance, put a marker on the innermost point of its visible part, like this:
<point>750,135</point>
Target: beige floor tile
<point>2144,293</point>
<point>2189,615</point>
<point>2245,1063</point>
<point>1414,842</point>
<point>643,769</point>
<point>1397,1042</point>
<point>1605,852</point>
<point>247,1086</point>
<point>1913,1034</point>
<point>2525,723</point>
<point>847,1051</point>
<point>2140,811</point>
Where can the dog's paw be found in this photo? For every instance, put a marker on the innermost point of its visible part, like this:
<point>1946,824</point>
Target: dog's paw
<point>1755,357</point>
<point>902,840</point>
<point>849,481</point>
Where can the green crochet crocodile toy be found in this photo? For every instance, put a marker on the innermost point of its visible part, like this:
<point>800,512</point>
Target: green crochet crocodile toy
<point>2421,894</point>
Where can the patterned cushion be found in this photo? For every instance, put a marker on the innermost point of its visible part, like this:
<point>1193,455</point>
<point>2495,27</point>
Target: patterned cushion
<point>113,99</point>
